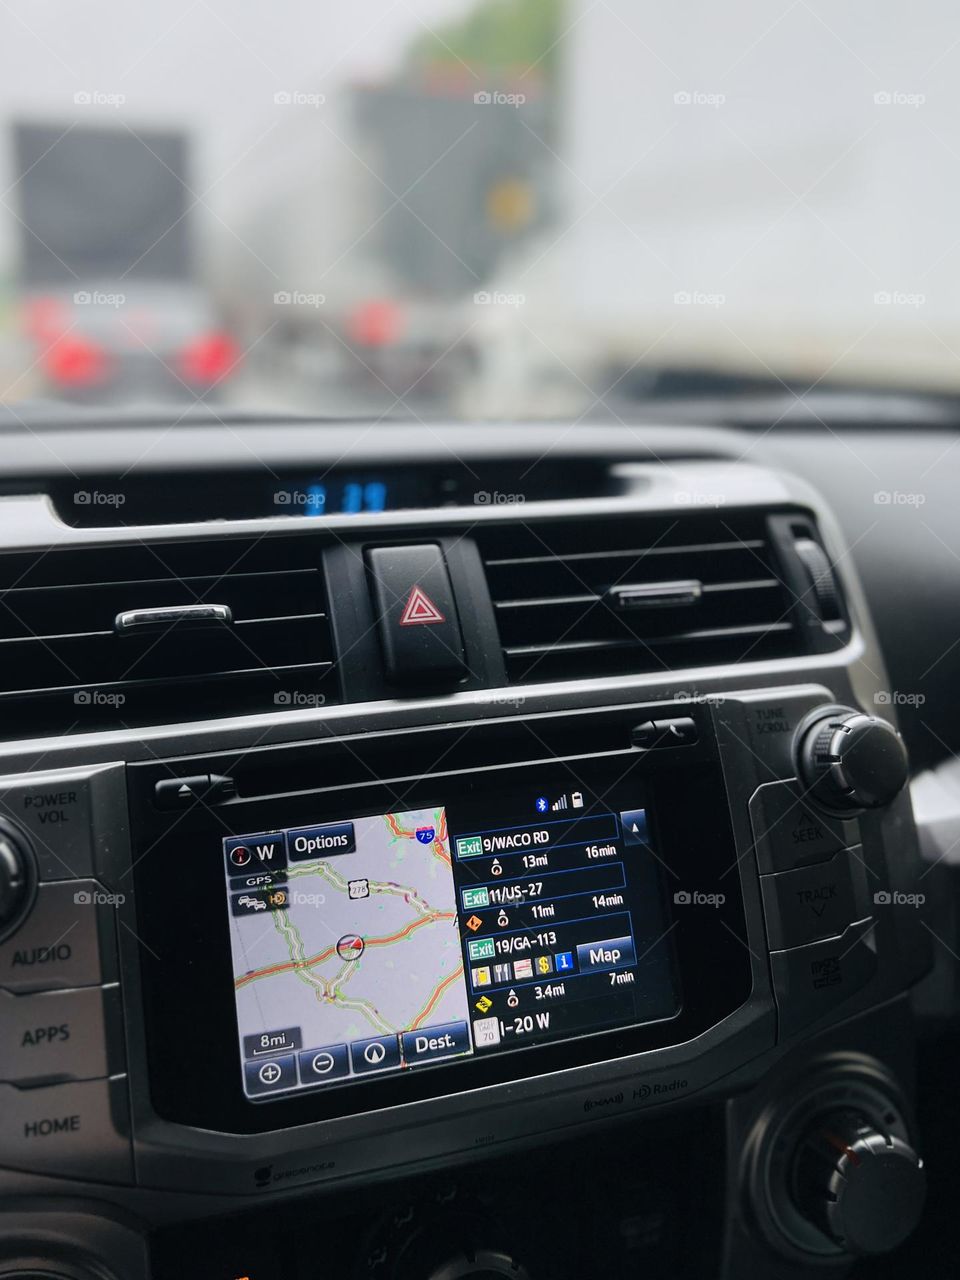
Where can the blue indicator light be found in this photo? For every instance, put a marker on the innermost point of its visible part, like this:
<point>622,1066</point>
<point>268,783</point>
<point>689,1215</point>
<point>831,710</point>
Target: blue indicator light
<point>375,496</point>
<point>316,504</point>
<point>352,499</point>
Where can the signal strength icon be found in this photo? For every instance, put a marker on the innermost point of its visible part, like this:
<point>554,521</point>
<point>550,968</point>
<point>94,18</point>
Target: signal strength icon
<point>560,804</point>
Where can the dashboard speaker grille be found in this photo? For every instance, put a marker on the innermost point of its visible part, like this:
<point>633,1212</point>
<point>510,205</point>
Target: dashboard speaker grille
<point>68,665</point>
<point>588,598</point>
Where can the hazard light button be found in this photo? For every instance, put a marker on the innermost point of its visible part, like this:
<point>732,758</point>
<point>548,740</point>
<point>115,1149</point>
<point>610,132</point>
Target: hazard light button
<point>419,629</point>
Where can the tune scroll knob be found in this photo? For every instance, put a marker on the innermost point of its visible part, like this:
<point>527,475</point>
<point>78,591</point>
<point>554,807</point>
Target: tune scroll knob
<point>850,760</point>
<point>863,1188</point>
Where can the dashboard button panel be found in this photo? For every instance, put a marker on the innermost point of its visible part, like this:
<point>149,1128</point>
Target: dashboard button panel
<point>58,811</point>
<point>815,902</point>
<point>52,1036</point>
<point>789,831</point>
<point>814,980</point>
<point>68,940</point>
<point>74,1129</point>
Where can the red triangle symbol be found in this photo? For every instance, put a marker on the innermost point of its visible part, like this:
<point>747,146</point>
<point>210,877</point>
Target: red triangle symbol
<point>420,610</point>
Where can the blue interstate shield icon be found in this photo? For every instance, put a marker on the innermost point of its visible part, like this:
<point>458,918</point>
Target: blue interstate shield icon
<point>425,834</point>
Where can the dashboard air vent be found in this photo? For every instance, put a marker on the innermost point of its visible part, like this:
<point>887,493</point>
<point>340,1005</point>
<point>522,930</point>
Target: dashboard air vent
<point>588,598</point>
<point>117,636</point>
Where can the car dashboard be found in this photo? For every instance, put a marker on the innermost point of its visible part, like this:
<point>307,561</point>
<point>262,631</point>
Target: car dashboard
<point>415,840</point>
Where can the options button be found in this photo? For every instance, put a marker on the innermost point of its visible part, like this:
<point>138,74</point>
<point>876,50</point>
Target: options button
<point>435,1042</point>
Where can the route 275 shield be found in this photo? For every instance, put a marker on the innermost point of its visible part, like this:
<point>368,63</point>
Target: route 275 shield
<point>425,834</point>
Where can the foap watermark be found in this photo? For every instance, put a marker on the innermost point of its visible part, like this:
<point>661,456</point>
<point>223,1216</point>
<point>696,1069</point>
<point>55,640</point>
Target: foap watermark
<point>898,298</point>
<point>896,698</point>
<point>898,98</point>
<point>298,98</point>
<point>497,98</point>
<point>314,501</point>
<point>498,298</point>
<point>514,700</point>
<point>898,498</point>
<point>694,695</point>
<point>298,298</point>
<point>698,98</point>
<point>98,698</point>
<point>97,298</point>
<point>301,898</point>
<point>98,98</point>
<point>98,898</point>
<point>897,898</point>
<point>98,498</point>
<point>696,898</point>
<point>494,498</point>
<point>298,698</point>
<point>697,298</point>
<point>695,498</point>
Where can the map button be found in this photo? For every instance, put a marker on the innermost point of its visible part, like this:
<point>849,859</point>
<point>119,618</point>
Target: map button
<point>377,1054</point>
<point>319,1065</point>
<point>269,1076</point>
<point>435,1042</point>
<point>611,953</point>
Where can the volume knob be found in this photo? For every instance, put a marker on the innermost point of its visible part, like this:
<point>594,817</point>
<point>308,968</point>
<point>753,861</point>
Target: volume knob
<point>850,760</point>
<point>16,878</point>
<point>863,1188</point>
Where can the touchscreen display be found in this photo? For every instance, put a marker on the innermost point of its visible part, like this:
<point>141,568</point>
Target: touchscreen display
<point>397,941</point>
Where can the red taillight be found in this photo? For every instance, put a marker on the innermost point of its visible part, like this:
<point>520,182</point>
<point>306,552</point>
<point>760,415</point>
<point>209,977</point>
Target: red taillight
<point>208,359</point>
<point>76,362</point>
<point>44,318</point>
<point>378,323</point>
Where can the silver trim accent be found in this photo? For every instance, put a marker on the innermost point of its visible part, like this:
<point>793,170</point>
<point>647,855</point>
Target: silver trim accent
<point>135,621</point>
<point>654,595</point>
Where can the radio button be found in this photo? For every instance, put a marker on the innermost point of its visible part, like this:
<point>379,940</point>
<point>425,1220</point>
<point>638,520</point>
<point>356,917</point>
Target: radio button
<point>814,902</point>
<point>67,1130</point>
<point>52,1036</point>
<point>812,981</point>
<point>790,832</point>
<point>59,943</point>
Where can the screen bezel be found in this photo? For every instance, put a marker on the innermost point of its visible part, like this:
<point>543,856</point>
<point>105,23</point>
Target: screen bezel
<point>187,972</point>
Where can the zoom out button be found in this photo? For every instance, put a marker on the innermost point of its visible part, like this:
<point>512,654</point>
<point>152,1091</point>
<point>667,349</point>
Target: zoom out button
<point>329,1063</point>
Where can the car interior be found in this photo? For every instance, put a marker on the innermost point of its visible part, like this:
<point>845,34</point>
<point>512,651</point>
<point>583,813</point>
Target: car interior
<point>479,620</point>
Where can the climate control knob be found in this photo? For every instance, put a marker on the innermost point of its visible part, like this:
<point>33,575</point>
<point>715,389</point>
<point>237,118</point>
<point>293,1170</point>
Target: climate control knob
<point>15,878</point>
<point>863,1188</point>
<point>850,760</point>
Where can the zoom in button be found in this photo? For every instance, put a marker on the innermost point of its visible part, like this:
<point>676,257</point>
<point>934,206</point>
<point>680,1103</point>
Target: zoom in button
<point>320,1065</point>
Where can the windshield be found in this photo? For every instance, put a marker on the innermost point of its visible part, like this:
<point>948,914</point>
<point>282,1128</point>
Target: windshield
<point>474,208</point>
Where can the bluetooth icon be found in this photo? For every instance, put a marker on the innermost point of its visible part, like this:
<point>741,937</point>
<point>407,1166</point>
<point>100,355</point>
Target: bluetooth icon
<point>543,804</point>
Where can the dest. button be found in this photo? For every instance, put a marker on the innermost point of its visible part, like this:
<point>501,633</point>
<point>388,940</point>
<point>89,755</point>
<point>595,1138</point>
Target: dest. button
<point>435,1042</point>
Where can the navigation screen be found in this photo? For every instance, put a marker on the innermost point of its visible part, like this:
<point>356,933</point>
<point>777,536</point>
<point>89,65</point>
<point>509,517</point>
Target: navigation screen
<point>396,941</point>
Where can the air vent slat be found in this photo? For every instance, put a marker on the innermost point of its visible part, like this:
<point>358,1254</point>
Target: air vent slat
<point>65,668</point>
<point>564,608</point>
